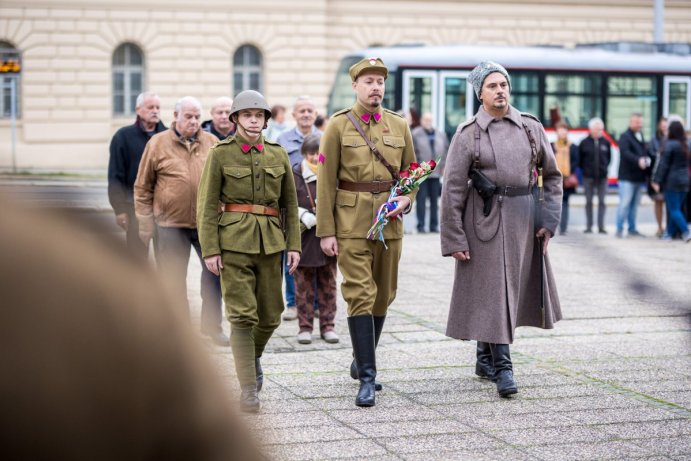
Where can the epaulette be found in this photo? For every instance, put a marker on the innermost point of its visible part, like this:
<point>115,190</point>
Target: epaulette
<point>526,114</point>
<point>468,122</point>
<point>341,112</point>
<point>228,140</point>
<point>393,113</point>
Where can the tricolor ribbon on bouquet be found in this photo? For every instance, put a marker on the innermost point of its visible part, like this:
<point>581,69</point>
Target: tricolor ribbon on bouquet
<point>408,181</point>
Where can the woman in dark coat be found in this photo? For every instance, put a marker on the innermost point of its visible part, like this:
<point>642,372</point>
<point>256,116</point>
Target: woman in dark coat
<point>672,176</point>
<point>316,270</point>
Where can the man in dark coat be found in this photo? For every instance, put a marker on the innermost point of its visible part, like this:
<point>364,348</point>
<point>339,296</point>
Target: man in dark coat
<point>633,164</point>
<point>594,155</point>
<point>499,254</point>
<point>126,150</point>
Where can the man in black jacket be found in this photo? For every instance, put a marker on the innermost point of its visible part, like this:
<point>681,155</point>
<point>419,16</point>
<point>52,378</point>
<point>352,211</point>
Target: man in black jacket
<point>594,155</point>
<point>633,163</point>
<point>126,150</point>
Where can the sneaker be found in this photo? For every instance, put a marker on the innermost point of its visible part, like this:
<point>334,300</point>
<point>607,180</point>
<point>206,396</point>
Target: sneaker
<point>291,313</point>
<point>588,231</point>
<point>305,337</point>
<point>602,231</point>
<point>666,237</point>
<point>635,233</point>
<point>686,237</point>
<point>330,337</point>
<point>316,313</point>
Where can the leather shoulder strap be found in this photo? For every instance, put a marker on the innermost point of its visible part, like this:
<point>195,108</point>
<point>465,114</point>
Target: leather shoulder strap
<point>476,158</point>
<point>372,146</point>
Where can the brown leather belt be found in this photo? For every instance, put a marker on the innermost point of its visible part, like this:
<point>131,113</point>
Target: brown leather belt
<point>374,187</point>
<point>254,209</point>
<point>509,191</point>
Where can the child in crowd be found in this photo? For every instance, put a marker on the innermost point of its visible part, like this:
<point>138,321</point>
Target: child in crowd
<point>316,271</point>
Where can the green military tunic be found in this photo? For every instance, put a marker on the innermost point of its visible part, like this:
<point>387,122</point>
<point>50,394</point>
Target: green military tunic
<point>369,271</point>
<point>250,245</point>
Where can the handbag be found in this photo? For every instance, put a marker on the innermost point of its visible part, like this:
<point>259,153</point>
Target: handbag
<point>571,181</point>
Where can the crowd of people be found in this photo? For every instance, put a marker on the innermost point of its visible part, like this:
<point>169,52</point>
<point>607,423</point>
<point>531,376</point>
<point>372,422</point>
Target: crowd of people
<point>660,167</point>
<point>266,204</point>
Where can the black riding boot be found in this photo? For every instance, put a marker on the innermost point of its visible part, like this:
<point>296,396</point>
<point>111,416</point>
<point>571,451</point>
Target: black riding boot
<point>362,336</point>
<point>501,358</point>
<point>483,367</point>
<point>378,327</point>
<point>260,373</point>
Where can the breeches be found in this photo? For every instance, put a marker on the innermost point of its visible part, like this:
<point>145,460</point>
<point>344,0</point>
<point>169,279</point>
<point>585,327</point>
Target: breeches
<point>252,294</point>
<point>370,274</point>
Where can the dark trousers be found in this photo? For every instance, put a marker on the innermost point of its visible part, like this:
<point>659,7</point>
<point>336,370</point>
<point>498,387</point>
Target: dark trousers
<point>590,186</point>
<point>429,190</point>
<point>564,222</point>
<point>135,246</point>
<point>173,256</point>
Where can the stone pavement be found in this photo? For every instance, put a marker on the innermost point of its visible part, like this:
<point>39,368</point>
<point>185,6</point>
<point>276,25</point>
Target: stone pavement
<point>612,381</point>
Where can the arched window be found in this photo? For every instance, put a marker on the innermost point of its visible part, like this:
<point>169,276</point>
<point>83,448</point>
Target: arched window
<point>128,78</point>
<point>247,69</point>
<point>10,73</point>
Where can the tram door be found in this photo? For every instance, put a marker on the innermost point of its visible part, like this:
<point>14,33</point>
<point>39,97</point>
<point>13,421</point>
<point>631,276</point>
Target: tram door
<point>445,94</point>
<point>677,98</point>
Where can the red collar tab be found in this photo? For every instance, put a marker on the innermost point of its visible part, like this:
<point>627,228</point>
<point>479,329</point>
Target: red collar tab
<point>366,117</point>
<point>246,147</point>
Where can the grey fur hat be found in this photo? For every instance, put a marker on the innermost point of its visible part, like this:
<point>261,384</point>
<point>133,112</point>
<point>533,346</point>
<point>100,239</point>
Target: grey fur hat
<point>477,76</point>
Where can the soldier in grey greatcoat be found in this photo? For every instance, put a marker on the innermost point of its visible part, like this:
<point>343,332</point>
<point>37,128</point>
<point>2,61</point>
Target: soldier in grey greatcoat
<point>500,255</point>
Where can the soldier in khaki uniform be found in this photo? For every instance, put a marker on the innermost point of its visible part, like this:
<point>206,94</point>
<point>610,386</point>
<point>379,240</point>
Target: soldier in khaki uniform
<point>352,184</point>
<point>252,177</point>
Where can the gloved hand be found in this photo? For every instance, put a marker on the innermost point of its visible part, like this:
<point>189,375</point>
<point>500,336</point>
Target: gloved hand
<point>308,219</point>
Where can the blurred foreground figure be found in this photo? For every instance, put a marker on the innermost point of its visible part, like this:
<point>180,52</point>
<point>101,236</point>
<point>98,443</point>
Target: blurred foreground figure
<point>96,359</point>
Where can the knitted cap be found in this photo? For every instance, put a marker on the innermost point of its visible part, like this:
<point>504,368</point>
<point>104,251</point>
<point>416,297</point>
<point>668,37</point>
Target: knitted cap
<point>478,75</point>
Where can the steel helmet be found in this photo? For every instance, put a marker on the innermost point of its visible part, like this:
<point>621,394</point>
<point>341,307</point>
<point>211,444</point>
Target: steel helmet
<point>250,99</point>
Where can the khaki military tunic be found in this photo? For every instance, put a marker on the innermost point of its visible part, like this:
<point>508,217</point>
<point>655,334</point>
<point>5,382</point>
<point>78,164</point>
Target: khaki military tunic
<point>369,271</point>
<point>250,245</point>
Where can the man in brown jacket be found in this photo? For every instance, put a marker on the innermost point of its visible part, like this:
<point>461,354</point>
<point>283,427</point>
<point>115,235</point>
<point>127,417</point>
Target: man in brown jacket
<point>165,195</point>
<point>499,254</point>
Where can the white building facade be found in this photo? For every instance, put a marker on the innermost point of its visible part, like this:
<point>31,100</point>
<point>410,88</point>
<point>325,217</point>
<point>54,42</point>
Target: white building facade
<point>84,62</point>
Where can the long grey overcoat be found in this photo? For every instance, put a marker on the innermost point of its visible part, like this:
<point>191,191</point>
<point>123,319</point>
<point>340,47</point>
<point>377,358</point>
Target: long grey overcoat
<point>499,288</point>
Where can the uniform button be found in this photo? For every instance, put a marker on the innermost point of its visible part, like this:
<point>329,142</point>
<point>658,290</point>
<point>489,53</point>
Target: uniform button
<point>378,178</point>
<point>259,187</point>
<point>256,175</point>
<point>257,162</point>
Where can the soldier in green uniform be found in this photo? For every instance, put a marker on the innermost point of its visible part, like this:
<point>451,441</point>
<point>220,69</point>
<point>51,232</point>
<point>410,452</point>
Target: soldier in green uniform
<point>353,182</point>
<point>252,178</point>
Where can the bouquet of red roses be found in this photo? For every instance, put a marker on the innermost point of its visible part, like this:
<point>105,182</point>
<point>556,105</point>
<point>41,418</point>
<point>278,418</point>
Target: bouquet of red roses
<point>408,181</point>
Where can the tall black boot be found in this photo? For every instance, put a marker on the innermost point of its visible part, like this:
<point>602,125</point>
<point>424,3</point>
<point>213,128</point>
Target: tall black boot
<point>362,336</point>
<point>484,367</point>
<point>260,373</point>
<point>501,358</point>
<point>378,327</point>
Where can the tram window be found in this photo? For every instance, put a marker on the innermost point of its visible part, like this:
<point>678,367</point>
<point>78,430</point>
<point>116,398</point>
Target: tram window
<point>626,95</point>
<point>575,98</point>
<point>525,88</point>
<point>574,110</point>
<point>526,103</point>
<point>342,95</point>
<point>576,84</point>
<point>524,82</point>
